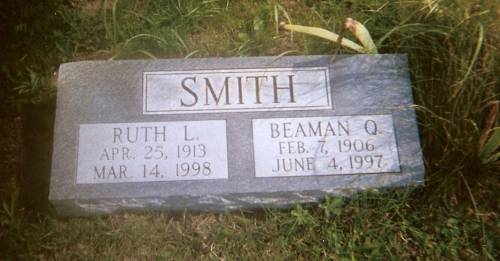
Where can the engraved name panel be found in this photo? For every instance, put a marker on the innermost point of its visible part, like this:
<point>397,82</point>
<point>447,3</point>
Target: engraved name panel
<point>336,145</point>
<point>151,152</point>
<point>232,90</point>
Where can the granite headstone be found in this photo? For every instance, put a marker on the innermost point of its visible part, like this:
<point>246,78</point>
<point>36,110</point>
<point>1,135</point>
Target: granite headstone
<point>219,134</point>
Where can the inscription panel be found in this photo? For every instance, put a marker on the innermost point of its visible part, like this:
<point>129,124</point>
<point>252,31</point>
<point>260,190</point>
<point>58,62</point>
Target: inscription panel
<point>152,151</point>
<point>334,145</point>
<point>231,90</point>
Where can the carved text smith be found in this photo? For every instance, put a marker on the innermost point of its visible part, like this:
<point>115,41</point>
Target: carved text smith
<point>204,90</point>
<point>232,90</point>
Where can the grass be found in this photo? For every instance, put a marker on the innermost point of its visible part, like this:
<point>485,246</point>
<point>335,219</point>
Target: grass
<point>369,225</point>
<point>454,58</point>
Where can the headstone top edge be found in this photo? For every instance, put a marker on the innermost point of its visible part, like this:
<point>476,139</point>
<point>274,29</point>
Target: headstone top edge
<point>202,59</point>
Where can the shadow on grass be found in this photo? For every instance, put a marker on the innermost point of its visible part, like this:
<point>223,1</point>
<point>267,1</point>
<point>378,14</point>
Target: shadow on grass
<point>38,136</point>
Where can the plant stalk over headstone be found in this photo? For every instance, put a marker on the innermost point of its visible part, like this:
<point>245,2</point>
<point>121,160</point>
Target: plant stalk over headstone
<point>362,34</point>
<point>368,46</point>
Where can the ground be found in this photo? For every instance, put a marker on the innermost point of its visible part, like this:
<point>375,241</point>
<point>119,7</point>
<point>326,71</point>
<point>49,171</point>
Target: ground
<point>453,52</point>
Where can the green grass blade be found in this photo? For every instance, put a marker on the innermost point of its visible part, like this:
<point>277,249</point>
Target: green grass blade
<point>493,158</point>
<point>473,61</point>
<point>191,54</point>
<point>113,13</point>
<point>180,40</point>
<point>278,7</point>
<point>148,54</point>
<point>105,19</point>
<point>493,143</point>
<point>276,19</point>
<point>146,36</point>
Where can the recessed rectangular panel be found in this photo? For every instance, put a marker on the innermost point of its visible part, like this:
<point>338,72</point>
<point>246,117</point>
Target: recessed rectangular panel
<point>152,152</point>
<point>334,145</point>
<point>232,90</point>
